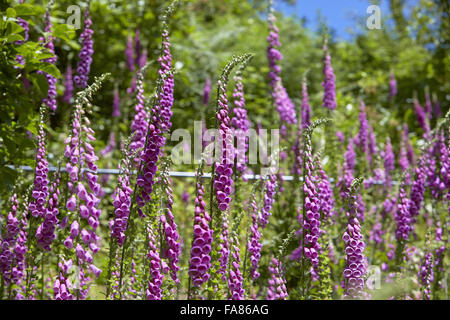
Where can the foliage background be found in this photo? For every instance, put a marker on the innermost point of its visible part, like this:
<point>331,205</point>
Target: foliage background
<point>205,34</point>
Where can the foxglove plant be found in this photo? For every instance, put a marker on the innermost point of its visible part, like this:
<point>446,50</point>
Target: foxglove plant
<point>409,148</point>
<point>50,100</point>
<point>348,168</point>
<point>173,250</point>
<point>254,245</point>
<point>325,193</point>
<point>87,50</point>
<point>329,83</point>
<point>45,233</point>
<point>270,190</point>
<point>200,261</point>
<point>306,109</point>
<point>444,151</point>
<point>277,282</point>
<point>8,239</point>
<point>159,121</point>
<point>40,188</point>
<point>68,91</point>
<point>206,91</point>
<point>402,216</point>
<point>224,248</point>
<point>389,162</point>
<point>240,121</point>
<point>223,170</point>
<point>283,103</point>
<point>137,47</point>
<point>363,133</point>
<point>428,105</point>
<point>20,252</point>
<point>436,107</point>
<point>392,86</point>
<point>309,216</point>
<point>418,186</point>
<point>426,275</point>
<point>129,53</point>
<point>83,188</point>
<point>356,262</point>
<point>421,117</point>
<point>116,103</point>
<point>26,28</point>
<point>140,121</point>
<point>235,279</point>
<point>62,285</point>
<point>122,199</point>
<point>371,146</point>
<point>156,277</point>
<point>185,197</point>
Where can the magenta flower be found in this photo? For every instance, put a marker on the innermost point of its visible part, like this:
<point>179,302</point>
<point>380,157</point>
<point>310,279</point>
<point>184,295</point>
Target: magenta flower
<point>224,248</point>
<point>116,103</point>
<point>87,50</point>
<point>240,123</point>
<point>389,162</point>
<point>277,282</point>
<point>363,133</point>
<point>428,106</point>
<point>122,202</point>
<point>403,217</point>
<point>207,91</point>
<point>8,239</point>
<point>129,53</point>
<point>224,170</point>
<point>40,188</point>
<point>418,186</point>
<point>421,117</point>
<point>329,83</point>
<point>200,261</point>
<point>50,100</point>
<point>84,191</point>
<point>154,284</point>
<point>137,47</point>
<point>173,249</point>
<point>139,124</point>
<point>269,198</point>
<point>159,124</point>
<point>426,275</point>
<point>46,231</point>
<point>392,86</point>
<point>254,245</point>
<point>306,109</point>
<point>356,263</point>
<point>235,279</point>
<point>283,103</point>
<point>436,107</point>
<point>68,92</point>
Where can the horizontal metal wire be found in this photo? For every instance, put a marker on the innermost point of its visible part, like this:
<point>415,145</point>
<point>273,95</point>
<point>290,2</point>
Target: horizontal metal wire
<point>182,174</point>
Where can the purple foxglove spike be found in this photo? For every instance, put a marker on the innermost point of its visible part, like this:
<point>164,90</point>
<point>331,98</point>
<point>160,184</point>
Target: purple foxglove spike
<point>283,103</point>
<point>86,53</point>
<point>329,83</point>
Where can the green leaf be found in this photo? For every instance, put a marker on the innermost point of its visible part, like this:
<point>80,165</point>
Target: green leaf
<point>11,13</point>
<point>64,31</point>
<point>25,9</point>
<point>51,69</point>
<point>13,28</point>
<point>14,38</point>
<point>40,82</point>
